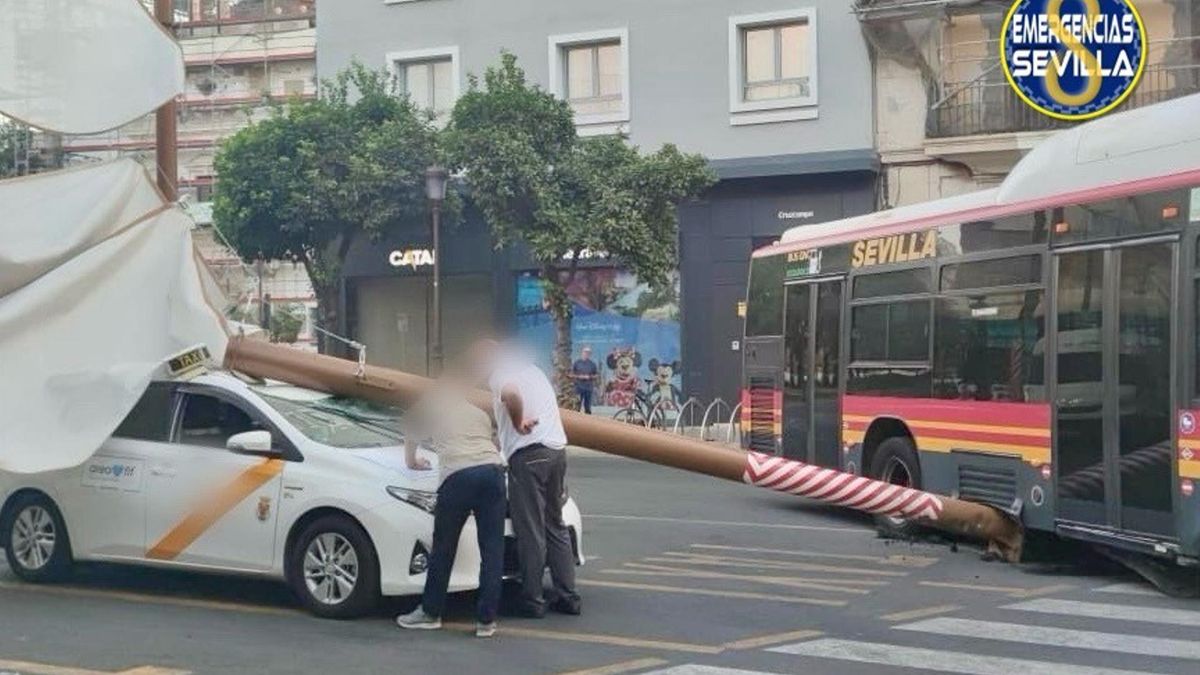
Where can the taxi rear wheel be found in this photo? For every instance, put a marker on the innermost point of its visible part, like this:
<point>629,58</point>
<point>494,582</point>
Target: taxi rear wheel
<point>333,569</point>
<point>36,543</point>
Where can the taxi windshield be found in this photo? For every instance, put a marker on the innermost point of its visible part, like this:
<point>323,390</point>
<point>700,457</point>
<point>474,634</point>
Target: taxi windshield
<point>336,421</point>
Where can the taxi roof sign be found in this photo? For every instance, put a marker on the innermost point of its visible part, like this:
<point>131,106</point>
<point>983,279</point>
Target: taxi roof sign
<point>189,362</point>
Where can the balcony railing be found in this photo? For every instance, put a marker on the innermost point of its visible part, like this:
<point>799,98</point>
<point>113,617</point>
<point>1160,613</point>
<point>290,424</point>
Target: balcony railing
<point>988,107</point>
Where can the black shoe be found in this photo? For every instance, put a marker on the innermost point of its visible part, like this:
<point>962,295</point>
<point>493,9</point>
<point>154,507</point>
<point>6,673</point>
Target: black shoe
<point>531,611</point>
<point>566,606</point>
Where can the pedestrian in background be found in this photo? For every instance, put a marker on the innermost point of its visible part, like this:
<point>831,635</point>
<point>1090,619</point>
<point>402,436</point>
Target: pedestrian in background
<point>533,443</point>
<point>471,481</point>
<point>584,372</point>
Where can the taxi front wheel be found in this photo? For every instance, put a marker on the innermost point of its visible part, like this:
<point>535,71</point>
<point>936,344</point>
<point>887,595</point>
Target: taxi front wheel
<point>333,569</point>
<point>36,543</point>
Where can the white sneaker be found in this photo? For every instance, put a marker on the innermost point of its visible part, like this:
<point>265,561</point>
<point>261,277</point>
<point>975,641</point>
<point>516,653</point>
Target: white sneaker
<point>485,630</point>
<point>419,620</point>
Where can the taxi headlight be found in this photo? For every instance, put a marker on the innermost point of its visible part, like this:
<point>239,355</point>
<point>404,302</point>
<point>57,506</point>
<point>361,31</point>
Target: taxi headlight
<point>426,501</point>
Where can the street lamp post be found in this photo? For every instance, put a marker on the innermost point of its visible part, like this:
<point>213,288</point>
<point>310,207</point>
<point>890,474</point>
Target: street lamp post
<point>435,191</point>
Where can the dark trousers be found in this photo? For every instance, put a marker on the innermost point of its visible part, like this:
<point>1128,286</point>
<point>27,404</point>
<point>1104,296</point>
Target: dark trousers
<point>479,490</point>
<point>537,476</point>
<point>585,399</point>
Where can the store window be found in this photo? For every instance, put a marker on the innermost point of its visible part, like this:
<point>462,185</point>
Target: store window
<point>632,328</point>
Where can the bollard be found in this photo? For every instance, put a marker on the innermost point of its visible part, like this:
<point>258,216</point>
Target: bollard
<point>337,376</point>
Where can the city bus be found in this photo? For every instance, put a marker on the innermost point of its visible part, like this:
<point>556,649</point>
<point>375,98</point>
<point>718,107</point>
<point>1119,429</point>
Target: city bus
<point>1032,346</point>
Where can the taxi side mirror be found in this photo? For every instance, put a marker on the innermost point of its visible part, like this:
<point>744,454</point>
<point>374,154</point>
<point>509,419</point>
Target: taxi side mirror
<point>251,443</point>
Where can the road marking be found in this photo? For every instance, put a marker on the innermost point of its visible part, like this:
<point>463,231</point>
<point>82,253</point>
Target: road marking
<point>1129,588</point>
<point>732,561</point>
<point>599,638</point>
<point>717,594</point>
<point>935,660</point>
<point>144,598</point>
<point>1014,591</point>
<point>622,667</point>
<point>1097,610</point>
<point>727,523</point>
<point>1058,637</point>
<point>196,523</point>
<point>921,613</point>
<point>46,669</point>
<point>768,640</point>
<point>897,560</point>
<point>696,669</point>
<point>640,569</point>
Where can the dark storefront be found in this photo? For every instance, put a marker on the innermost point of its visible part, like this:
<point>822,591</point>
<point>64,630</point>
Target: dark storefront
<point>756,201</point>
<point>691,333</point>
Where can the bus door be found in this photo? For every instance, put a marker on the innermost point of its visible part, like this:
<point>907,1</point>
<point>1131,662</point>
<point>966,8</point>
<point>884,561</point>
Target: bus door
<point>1114,378</point>
<point>811,364</point>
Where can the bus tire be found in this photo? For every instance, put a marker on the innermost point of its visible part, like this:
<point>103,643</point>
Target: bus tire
<point>896,461</point>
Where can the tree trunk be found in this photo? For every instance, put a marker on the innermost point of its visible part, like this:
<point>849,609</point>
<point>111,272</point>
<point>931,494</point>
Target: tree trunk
<point>559,306</point>
<point>328,313</point>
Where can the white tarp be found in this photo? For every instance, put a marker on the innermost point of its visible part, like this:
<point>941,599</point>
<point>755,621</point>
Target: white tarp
<point>84,66</point>
<point>99,283</point>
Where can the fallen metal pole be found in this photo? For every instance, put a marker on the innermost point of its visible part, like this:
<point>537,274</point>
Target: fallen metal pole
<point>338,376</point>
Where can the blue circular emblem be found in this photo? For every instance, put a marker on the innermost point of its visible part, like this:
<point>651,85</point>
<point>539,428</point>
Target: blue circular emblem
<point>1073,59</point>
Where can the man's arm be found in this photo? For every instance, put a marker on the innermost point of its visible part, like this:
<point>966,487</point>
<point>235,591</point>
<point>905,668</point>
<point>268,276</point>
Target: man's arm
<point>410,456</point>
<point>514,405</point>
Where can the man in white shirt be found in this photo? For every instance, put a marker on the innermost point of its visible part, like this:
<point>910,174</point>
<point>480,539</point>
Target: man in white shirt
<point>533,442</point>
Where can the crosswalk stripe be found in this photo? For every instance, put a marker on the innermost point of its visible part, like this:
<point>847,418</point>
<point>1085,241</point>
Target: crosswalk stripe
<point>1099,610</point>
<point>1129,588</point>
<point>1058,637</point>
<point>697,669</point>
<point>936,660</point>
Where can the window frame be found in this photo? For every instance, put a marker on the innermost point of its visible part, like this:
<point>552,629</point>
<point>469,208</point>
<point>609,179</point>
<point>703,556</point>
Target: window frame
<point>794,108</point>
<point>928,297</point>
<point>598,123</point>
<point>394,60</point>
<point>286,448</point>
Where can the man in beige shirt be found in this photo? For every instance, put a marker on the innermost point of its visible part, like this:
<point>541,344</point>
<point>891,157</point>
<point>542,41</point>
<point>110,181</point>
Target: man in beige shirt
<point>471,482</point>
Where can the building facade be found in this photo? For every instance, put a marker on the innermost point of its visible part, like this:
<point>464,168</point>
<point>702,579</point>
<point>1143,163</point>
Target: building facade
<point>241,56</point>
<point>776,93</point>
<point>947,120</point>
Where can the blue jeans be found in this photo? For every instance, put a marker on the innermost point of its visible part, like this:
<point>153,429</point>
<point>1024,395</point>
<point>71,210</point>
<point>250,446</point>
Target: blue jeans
<point>479,490</point>
<point>585,399</point>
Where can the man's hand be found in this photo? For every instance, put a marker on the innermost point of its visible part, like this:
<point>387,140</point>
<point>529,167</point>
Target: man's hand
<point>526,426</point>
<point>419,464</point>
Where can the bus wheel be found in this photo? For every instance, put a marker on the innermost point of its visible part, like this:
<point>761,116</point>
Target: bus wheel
<point>896,462</point>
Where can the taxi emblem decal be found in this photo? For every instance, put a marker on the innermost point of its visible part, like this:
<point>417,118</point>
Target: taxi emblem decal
<point>264,508</point>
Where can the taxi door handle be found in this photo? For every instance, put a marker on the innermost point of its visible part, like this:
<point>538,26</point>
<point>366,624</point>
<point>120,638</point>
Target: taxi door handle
<point>162,470</point>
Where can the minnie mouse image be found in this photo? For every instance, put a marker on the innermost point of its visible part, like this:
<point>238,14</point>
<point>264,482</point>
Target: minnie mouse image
<point>621,390</point>
<point>662,387</point>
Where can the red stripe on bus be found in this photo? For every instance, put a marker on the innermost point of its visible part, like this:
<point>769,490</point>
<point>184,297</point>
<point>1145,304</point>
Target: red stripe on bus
<point>1000,413</point>
<point>991,211</point>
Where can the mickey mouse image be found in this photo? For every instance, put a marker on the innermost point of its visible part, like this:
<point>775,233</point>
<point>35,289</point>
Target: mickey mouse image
<point>621,390</point>
<point>662,386</point>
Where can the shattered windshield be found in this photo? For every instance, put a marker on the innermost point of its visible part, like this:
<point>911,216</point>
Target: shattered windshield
<point>337,421</point>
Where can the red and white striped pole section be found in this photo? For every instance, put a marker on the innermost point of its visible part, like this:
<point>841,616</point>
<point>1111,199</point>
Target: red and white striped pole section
<point>338,376</point>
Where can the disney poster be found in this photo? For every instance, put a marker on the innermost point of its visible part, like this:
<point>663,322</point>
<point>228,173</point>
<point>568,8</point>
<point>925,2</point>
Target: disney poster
<point>633,331</point>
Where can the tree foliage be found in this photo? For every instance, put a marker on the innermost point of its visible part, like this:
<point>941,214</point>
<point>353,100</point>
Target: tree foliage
<point>304,182</point>
<point>536,180</point>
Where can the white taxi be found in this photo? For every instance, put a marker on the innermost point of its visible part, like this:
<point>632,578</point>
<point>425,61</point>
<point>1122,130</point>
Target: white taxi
<point>221,474</point>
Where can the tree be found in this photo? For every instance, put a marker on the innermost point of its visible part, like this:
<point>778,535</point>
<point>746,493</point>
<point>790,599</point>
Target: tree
<point>534,179</point>
<point>304,182</point>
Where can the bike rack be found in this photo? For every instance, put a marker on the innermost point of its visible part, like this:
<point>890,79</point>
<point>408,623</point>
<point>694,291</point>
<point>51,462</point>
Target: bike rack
<point>692,401</point>
<point>715,405</point>
<point>735,427</point>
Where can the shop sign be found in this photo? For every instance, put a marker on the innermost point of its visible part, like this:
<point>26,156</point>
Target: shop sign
<point>794,215</point>
<point>411,257</point>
